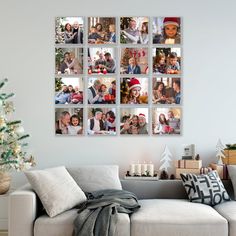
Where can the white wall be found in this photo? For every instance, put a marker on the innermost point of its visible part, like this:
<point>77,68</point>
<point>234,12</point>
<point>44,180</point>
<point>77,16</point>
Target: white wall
<point>27,59</point>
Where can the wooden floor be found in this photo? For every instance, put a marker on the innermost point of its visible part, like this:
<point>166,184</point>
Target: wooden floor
<point>3,233</point>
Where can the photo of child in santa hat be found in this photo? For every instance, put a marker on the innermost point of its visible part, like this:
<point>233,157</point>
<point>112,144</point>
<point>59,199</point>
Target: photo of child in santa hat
<point>166,30</point>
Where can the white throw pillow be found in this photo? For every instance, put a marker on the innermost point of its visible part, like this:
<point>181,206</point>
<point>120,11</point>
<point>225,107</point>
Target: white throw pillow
<point>96,177</point>
<point>56,189</point>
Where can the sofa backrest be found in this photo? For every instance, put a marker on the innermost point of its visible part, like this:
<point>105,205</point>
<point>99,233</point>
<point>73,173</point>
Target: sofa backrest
<point>170,189</point>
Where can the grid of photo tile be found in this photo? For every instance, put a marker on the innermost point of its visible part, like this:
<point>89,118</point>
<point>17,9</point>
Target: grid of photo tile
<point>118,76</point>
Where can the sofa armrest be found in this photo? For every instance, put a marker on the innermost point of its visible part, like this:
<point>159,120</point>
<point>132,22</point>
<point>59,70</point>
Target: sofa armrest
<point>22,212</point>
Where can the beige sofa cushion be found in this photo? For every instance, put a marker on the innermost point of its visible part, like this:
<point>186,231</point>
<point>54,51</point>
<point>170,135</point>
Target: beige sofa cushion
<point>62,225</point>
<point>56,189</point>
<point>169,217</point>
<point>228,211</point>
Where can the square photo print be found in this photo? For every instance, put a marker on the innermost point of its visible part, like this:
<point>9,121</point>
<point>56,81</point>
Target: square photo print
<point>101,30</point>
<point>69,61</point>
<point>134,30</point>
<point>134,61</point>
<point>68,121</point>
<point>101,90</point>
<point>134,90</point>
<point>69,30</point>
<point>101,61</point>
<point>134,121</point>
<point>101,121</point>
<point>69,90</point>
<point>166,91</point>
<point>166,30</point>
<point>166,121</point>
<point>166,60</point>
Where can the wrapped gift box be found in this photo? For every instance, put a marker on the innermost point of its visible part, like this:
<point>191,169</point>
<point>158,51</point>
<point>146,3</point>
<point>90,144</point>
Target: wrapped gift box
<point>221,169</point>
<point>182,170</point>
<point>188,164</point>
<point>230,157</point>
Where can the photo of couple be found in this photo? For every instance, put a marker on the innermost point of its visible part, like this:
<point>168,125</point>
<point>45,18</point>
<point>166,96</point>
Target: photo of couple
<point>166,121</point>
<point>166,30</point>
<point>134,61</point>
<point>69,30</point>
<point>166,91</point>
<point>134,90</point>
<point>101,60</point>
<point>69,90</point>
<point>69,61</point>
<point>69,121</point>
<point>101,90</point>
<point>166,60</point>
<point>101,30</point>
<point>134,30</point>
<point>133,121</point>
<point>101,121</point>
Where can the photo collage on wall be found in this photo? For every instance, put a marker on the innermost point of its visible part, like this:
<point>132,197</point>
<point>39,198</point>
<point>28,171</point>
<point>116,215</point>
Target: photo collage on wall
<point>118,76</point>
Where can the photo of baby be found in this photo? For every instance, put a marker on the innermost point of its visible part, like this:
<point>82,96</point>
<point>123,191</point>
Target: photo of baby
<point>166,30</point>
<point>166,60</point>
<point>166,91</point>
<point>69,90</point>
<point>69,61</point>
<point>134,90</point>
<point>69,30</point>
<point>101,61</point>
<point>134,61</point>
<point>101,90</point>
<point>69,121</point>
<point>134,30</point>
<point>134,121</point>
<point>166,121</point>
<point>101,121</point>
<point>101,30</point>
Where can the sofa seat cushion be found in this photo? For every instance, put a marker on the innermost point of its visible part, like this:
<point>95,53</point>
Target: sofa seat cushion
<point>228,211</point>
<point>63,224</point>
<point>176,217</point>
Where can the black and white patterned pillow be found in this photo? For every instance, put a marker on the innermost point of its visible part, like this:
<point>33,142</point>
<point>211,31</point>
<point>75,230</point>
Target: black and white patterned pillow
<point>207,189</point>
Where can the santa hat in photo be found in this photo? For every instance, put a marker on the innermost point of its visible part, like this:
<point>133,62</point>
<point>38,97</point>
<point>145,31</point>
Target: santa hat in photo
<point>142,115</point>
<point>171,21</point>
<point>133,83</point>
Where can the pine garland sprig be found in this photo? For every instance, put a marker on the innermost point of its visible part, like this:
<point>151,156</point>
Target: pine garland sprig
<point>23,137</point>
<point>3,82</point>
<point>6,155</point>
<point>4,96</point>
<point>15,122</point>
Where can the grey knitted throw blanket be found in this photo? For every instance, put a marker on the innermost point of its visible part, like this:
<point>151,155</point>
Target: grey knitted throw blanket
<point>99,214</point>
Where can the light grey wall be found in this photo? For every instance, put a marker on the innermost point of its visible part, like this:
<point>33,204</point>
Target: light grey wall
<point>27,59</point>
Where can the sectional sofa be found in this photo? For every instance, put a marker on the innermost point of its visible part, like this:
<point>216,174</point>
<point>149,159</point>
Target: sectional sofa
<point>165,209</point>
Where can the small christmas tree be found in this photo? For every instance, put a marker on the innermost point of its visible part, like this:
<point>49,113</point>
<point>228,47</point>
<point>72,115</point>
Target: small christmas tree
<point>12,138</point>
<point>166,160</point>
<point>220,152</point>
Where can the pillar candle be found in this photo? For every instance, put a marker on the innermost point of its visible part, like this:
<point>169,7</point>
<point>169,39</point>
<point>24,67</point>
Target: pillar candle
<point>144,169</point>
<point>132,169</point>
<point>150,169</point>
<point>138,169</point>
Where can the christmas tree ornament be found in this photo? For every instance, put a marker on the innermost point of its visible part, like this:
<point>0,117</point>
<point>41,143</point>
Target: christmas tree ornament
<point>220,152</point>
<point>166,159</point>
<point>19,130</point>
<point>2,121</point>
